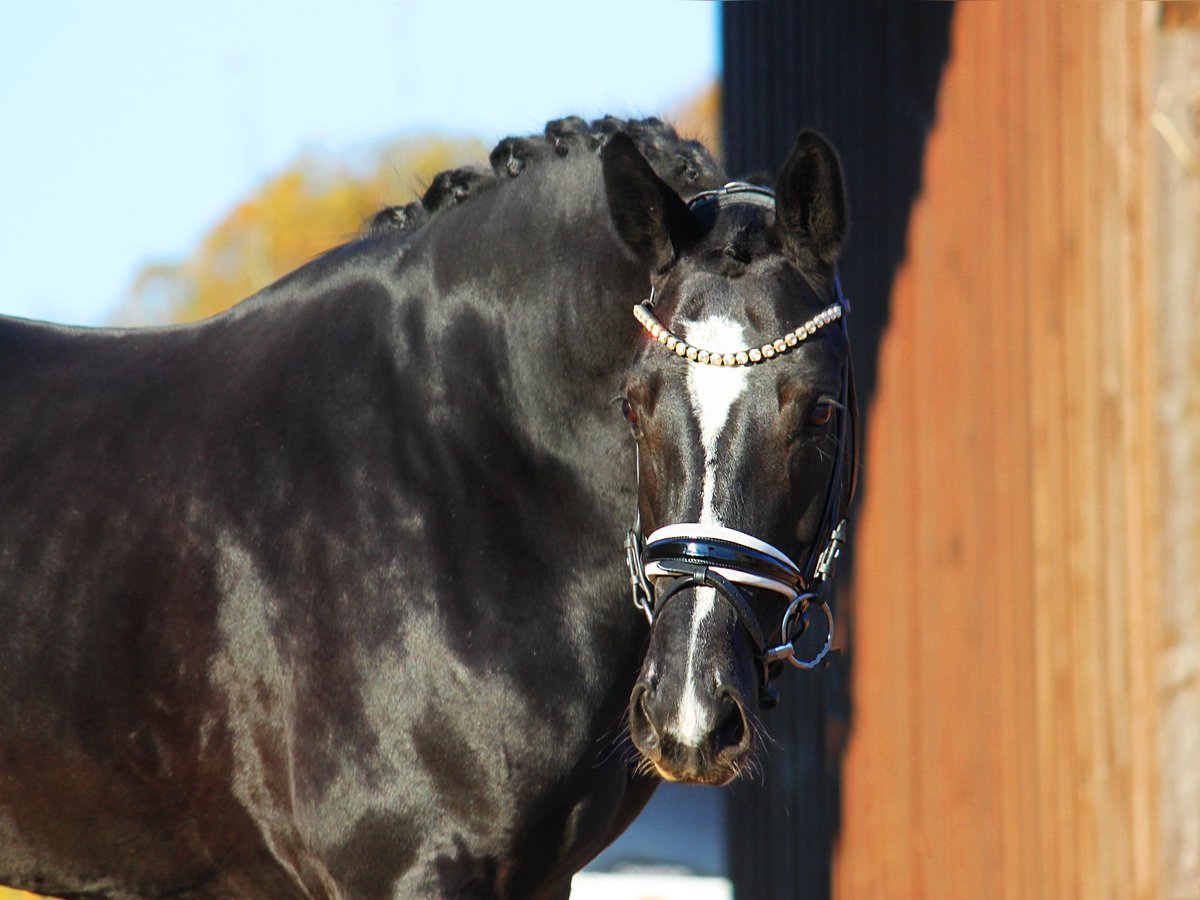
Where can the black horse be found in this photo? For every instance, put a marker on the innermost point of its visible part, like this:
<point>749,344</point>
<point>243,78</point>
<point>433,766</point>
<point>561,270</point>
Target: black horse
<point>326,596</point>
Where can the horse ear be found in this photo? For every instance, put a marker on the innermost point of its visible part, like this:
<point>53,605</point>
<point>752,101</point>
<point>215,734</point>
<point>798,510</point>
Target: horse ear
<point>650,217</point>
<point>811,201</point>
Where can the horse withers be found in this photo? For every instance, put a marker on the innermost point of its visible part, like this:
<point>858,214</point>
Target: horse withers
<point>326,596</point>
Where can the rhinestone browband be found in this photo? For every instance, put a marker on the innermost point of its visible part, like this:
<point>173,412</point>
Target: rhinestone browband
<point>747,357</point>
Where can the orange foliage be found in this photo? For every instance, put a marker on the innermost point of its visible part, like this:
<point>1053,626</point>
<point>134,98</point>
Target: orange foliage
<point>297,215</point>
<point>700,118</point>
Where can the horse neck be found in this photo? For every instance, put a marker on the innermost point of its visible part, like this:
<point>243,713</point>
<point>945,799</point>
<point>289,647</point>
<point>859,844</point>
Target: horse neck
<point>539,259</point>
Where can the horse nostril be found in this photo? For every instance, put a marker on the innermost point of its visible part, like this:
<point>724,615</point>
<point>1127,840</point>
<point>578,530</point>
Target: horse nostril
<point>641,725</point>
<point>732,728</point>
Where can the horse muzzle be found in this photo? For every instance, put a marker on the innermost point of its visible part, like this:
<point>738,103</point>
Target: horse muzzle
<point>712,749</point>
<point>690,714</point>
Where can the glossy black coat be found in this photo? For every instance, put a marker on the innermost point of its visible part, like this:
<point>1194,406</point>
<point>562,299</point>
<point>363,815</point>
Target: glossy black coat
<point>325,596</point>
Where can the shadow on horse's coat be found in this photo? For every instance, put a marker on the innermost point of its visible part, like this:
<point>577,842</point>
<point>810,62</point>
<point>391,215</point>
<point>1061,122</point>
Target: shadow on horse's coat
<point>324,596</point>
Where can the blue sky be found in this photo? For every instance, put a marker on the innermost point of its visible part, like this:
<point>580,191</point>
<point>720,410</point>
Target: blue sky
<point>128,129</point>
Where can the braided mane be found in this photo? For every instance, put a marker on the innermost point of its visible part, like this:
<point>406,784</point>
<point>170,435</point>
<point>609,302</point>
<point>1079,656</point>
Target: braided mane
<point>685,164</point>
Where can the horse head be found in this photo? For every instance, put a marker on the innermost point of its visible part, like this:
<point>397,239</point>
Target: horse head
<point>739,401</point>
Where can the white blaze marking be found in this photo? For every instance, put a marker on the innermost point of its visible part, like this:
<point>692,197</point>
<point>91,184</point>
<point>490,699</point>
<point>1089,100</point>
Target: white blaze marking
<point>713,391</point>
<point>690,723</point>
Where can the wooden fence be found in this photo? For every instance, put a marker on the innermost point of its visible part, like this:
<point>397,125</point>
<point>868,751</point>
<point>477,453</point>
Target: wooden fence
<point>1026,607</point>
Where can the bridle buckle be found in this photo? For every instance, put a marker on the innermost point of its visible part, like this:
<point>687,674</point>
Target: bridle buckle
<point>829,556</point>
<point>639,584</point>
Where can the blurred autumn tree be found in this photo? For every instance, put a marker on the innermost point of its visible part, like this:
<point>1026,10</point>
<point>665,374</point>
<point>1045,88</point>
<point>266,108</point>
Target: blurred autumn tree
<point>312,206</point>
<point>295,216</point>
<point>700,118</point>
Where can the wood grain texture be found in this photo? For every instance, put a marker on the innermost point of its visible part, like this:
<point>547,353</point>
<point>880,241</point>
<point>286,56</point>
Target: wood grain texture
<point>1008,576</point>
<point>1176,140</point>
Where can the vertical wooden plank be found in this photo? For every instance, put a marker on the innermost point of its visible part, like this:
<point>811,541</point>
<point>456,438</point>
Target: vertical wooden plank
<point>1078,500</point>
<point>928,641</point>
<point>1145,523</point>
<point>1009,362</point>
<point>879,803</point>
<point>1176,372</point>
<point>1112,692</point>
<point>1021,320</point>
<point>1049,285</point>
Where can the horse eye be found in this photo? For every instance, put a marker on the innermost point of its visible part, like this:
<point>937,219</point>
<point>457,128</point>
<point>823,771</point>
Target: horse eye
<point>821,415</point>
<point>628,412</point>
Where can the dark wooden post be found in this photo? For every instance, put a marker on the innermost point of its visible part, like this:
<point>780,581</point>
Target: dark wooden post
<point>866,75</point>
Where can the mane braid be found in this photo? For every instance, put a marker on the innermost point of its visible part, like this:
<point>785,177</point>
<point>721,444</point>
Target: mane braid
<point>685,164</point>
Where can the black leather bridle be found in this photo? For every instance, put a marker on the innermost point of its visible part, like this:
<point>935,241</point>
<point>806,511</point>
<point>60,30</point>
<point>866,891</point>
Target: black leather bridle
<point>691,555</point>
